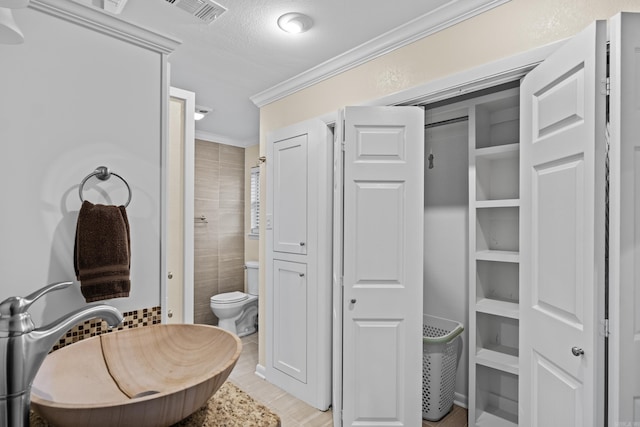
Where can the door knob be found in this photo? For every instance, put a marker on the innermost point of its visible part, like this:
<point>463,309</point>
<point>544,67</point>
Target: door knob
<point>170,314</point>
<point>302,243</point>
<point>577,351</point>
<point>170,275</point>
<point>353,301</point>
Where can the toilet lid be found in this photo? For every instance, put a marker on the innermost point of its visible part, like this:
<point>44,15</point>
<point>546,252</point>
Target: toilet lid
<point>229,297</point>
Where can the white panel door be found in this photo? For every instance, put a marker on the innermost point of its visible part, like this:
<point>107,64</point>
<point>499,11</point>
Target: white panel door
<point>290,319</point>
<point>383,206</point>
<point>290,201</point>
<point>562,235</point>
<point>624,214</point>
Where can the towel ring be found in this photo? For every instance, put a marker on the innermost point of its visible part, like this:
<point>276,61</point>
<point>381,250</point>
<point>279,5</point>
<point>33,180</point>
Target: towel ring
<point>103,173</point>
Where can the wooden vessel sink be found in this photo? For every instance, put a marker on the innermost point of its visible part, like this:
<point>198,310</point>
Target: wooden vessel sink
<point>149,376</point>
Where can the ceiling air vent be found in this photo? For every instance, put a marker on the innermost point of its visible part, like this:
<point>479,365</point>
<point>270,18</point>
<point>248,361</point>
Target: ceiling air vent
<point>205,10</point>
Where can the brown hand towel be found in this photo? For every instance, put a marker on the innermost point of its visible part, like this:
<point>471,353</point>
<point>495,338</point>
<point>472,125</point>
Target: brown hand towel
<point>102,253</point>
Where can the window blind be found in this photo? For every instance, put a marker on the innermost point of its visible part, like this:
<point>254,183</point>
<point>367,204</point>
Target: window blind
<point>255,200</point>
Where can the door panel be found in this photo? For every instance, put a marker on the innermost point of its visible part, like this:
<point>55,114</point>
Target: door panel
<point>290,202</point>
<point>382,251</point>
<point>290,319</point>
<point>558,199</point>
<point>562,235</point>
<point>379,343</point>
<point>378,250</point>
<point>552,385</point>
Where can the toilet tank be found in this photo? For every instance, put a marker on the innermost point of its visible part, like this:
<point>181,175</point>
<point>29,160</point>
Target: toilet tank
<point>252,277</point>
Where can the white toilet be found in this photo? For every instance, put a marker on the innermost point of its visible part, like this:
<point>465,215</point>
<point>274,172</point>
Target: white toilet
<point>237,312</point>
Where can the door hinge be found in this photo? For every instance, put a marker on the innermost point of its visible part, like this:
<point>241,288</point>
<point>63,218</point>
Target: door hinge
<point>341,279</point>
<point>604,328</point>
<point>606,86</point>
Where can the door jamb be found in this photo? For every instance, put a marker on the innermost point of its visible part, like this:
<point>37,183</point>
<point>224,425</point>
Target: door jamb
<point>189,170</point>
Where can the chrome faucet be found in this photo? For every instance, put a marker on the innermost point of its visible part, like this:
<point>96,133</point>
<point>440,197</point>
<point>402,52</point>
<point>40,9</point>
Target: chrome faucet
<point>23,348</point>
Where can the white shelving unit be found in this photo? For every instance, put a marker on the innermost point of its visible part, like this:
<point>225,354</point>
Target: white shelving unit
<point>494,211</point>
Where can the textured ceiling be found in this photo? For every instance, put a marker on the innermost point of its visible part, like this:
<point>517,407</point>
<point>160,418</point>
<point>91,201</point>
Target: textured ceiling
<point>243,52</point>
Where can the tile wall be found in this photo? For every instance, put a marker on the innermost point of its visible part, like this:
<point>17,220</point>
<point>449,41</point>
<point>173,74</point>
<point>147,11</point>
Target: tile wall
<point>218,240</point>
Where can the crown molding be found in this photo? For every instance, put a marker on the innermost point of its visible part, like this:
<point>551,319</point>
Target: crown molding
<point>445,16</point>
<point>220,139</point>
<point>491,74</point>
<point>97,20</point>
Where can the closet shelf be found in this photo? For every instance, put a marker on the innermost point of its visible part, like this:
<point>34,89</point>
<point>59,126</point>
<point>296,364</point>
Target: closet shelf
<point>497,360</point>
<point>504,203</point>
<point>498,151</point>
<point>487,419</point>
<point>498,308</point>
<point>503,256</point>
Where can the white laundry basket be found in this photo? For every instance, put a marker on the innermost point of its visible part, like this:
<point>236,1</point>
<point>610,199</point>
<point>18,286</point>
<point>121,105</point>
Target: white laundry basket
<point>441,349</point>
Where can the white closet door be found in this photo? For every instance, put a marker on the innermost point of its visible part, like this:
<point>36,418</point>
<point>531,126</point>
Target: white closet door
<point>624,237</point>
<point>290,201</point>
<point>562,235</point>
<point>383,222</point>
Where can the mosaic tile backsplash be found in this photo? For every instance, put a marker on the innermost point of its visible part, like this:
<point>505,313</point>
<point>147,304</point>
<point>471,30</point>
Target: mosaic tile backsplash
<point>93,327</point>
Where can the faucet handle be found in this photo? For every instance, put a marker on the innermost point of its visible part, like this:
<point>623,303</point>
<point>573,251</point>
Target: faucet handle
<point>18,305</point>
<point>31,298</point>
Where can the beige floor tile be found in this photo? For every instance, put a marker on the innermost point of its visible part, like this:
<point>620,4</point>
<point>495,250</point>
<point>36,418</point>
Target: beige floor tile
<point>286,421</point>
<point>318,419</point>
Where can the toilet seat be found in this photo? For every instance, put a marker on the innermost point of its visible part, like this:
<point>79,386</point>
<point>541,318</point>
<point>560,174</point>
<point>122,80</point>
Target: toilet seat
<point>229,297</point>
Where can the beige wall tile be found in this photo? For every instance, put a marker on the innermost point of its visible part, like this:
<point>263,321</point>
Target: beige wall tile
<point>207,150</point>
<point>232,221</point>
<point>206,272</point>
<point>232,156</point>
<point>231,185</point>
<point>219,243</point>
<point>231,245</point>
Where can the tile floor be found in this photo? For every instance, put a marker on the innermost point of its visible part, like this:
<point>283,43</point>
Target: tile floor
<point>293,412</point>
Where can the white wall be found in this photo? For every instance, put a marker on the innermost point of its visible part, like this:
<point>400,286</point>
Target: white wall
<point>72,99</point>
<point>446,216</point>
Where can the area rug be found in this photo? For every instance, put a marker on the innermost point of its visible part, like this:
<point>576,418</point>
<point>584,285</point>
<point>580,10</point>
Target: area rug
<point>229,407</point>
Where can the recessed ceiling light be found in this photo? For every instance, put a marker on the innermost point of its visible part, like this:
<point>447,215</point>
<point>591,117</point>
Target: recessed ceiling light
<point>201,112</point>
<point>294,23</point>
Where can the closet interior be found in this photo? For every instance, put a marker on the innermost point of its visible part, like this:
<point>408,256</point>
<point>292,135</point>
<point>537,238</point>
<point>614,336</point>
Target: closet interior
<point>486,301</point>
